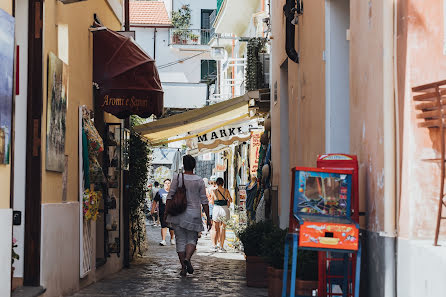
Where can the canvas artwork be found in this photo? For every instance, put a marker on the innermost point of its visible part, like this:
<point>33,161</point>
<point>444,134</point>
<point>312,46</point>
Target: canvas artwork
<point>6,83</point>
<point>56,114</point>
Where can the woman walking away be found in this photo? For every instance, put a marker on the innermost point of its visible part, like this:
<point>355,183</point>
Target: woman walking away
<point>222,200</point>
<point>187,224</point>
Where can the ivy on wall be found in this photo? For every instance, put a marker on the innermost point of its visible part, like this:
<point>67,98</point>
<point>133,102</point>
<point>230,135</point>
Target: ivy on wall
<point>139,162</point>
<point>254,69</point>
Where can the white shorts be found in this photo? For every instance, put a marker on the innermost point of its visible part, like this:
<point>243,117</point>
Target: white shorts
<point>220,213</point>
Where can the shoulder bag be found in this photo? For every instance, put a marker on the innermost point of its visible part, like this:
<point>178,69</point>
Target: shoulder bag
<point>178,203</point>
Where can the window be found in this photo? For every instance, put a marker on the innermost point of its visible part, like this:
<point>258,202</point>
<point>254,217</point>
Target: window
<point>208,70</point>
<point>205,25</point>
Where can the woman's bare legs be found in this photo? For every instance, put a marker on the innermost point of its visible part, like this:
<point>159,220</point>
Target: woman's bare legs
<point>216,233</point>
<point>222,234</point>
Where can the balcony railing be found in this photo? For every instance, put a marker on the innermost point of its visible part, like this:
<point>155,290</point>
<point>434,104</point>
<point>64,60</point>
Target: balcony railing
<point>189,36</point>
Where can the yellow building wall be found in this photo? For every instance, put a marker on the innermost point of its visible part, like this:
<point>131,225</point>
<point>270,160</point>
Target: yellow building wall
<point>6,5</point>
<point>306,90</point>
<point>78,17</point>
<point>366,106</point>
<point>306,87</point>
<point>5,170</point>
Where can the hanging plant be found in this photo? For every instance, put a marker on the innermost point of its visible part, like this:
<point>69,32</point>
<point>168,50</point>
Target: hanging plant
<point>138,167</point>
<point>254,69</point>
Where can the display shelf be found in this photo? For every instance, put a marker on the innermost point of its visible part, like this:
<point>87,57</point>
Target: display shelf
<point>112,201</point>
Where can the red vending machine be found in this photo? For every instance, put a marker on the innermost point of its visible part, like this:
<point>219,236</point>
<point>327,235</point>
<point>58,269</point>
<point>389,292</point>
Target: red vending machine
<point>328,273</point>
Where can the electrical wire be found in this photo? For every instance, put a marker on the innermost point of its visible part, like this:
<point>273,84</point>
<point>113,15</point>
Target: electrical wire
<point>180,61</point>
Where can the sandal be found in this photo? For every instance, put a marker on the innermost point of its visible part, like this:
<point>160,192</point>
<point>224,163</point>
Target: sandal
<point>189,267</point>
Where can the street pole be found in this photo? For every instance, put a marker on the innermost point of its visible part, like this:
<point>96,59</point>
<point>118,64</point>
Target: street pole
<point>127,15</point>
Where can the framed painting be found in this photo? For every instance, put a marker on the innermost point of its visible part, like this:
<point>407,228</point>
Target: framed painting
<point>6,83</point>
<point>56,114</point>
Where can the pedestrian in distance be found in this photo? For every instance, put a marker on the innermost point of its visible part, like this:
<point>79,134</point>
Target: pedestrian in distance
<point>210,189</point>
<point>155,189</point>
<point>207,185</point>
<point>160,199</point>
<point>222,200</point>
<point>189,223</point>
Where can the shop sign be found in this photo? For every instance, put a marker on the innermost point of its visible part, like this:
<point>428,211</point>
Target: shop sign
<point>223,136</point>
<point>220,167</point>
<point>254,151</point>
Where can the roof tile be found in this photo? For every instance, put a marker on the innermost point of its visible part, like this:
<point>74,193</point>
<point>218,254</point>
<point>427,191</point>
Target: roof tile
<point>148,13</point>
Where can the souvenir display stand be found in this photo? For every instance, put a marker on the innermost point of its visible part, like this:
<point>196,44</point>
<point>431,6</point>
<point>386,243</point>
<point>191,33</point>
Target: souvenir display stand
<point>112,209</point>
<point>321,220</point>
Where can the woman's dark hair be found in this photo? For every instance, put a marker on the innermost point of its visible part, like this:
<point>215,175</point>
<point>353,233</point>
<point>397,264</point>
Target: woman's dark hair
<point>220,181</point>
<point>167,179</point>
<point>189,162</point>
<point>157,184</point>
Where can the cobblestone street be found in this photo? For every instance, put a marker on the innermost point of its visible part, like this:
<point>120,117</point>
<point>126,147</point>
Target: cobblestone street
<point>157,274</point>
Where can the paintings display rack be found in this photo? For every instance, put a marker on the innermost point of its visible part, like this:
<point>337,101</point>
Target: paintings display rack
<point>112,203</point>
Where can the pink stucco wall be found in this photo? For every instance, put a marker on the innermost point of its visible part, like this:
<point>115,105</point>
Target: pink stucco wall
<point>420,61</point>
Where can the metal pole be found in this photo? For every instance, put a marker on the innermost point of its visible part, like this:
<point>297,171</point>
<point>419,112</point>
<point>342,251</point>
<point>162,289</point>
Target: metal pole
<point>217,82</point>
<point>127,15</point>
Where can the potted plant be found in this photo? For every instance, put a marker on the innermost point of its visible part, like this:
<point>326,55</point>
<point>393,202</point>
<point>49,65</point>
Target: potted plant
<point>176,37</point>
<point>273,251</point>
<point>251,238</point>
<point>181,20</point>
<point>194,37</point>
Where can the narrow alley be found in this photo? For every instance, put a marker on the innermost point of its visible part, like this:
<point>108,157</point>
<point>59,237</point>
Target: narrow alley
<point>216,274</point>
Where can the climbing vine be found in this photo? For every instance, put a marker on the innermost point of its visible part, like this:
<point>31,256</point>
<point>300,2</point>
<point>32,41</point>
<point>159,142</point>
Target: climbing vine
<point>254,69</point>
<point>139,152</point>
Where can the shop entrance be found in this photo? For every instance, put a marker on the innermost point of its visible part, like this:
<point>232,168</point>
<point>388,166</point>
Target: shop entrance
<point>337,76</point>
<point>284,190</point>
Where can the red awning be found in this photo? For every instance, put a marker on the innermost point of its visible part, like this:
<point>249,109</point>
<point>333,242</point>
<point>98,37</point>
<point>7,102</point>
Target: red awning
<point>125,77</point>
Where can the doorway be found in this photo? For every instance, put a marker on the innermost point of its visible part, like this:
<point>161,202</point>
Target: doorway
<point>337,76</point>
<point>284,147</point>
<point>206,26</point>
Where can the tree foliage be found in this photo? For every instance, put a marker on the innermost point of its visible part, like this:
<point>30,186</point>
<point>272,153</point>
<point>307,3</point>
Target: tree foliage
<point>181,18</point>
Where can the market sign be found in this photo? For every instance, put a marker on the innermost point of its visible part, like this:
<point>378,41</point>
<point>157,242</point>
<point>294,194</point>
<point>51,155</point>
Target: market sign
<point>224,136</point>
<point>254,151</point>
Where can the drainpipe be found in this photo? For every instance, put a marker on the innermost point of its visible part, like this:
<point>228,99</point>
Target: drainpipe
<point>127,15</point>
<point>154,44</point>
<point>389,233</point>
<point>291,14</point>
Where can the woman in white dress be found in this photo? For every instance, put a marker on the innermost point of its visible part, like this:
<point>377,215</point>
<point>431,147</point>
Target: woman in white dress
<point>187,224</point>
<point>222,200</point>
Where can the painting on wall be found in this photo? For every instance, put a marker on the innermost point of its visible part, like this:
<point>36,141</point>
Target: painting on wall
<point>6,83</point>
<point>56,114</point>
